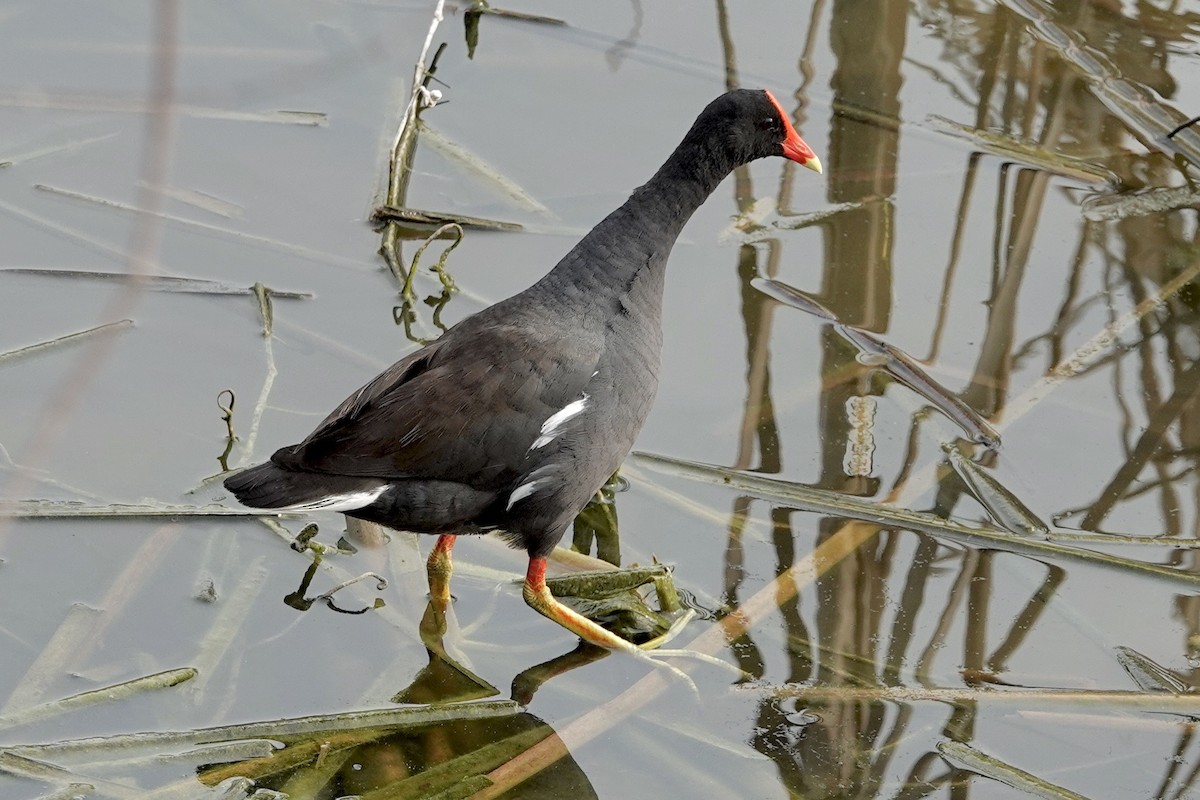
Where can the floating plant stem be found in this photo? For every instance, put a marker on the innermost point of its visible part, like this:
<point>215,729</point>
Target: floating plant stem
<point>1148,674</point>
<point>603,582</point>
<point>227,418</point>
<point>72,791</point>
<point>424,218</point>
<point>55,149</point>
<point>275,244</point>
<point>480,7</point>
<point>200,200</point>
<point>263,295</point>
<point>31,768</point>
<point>108,105</point>
<point>405,144</point>
<point>380,584</point>
<point>322,748</point>
<point>70,338</point>
<point>893,516</point>
<point>1109,539</point>
<point>764,222</point>
<point>902,367</point>
<point>1140,108</point>
<point>464,789</point>
<point>157,283</point>
<point>443,776</point>
<point>1095,700</point>
<point>116,692</point>
<point>260,406</point>
<point>306,535</point>
<point>223,753</point>
<point>440,267</point>
<point>407,718</point>
<point>311,780</point>
<point>104,248</point>
<point>1110,207</point>
<point>54,660</point>
<point>905,369</point>
<point>45,509</point>
<point>1022,152</point>
<point>474,165</point>
<point>1004,506</point>
<point>966,757</point>
<point>788,295</point>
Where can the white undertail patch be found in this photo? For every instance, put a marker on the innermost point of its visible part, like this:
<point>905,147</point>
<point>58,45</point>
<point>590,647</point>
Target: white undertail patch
<point>553,425</point>
<point>340,502</point>
<point>523,491</point>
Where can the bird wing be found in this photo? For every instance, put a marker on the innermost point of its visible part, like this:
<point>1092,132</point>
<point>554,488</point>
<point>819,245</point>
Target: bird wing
<point>465,408</point>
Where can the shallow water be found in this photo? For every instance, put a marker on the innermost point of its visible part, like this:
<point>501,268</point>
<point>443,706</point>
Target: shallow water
<point>960,144</point>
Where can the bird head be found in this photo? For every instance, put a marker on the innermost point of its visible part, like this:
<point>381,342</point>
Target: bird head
<point>751,124</point>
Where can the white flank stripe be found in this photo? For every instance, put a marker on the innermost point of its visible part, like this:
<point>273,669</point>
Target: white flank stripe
<point>521,492</point>
<point>555,422</point>
<point>340,502</point>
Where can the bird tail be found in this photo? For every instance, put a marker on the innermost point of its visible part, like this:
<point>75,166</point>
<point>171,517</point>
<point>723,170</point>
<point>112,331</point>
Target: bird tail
<point>271,486</point>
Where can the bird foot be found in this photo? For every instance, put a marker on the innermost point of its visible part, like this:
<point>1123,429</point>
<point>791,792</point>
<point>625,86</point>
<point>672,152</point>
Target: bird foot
<point>676,628</point>
<point>537,595</point>
<point>539,598</point>
<point>733,670</point>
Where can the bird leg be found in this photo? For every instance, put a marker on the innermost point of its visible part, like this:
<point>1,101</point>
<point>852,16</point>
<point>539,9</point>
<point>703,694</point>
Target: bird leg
<point>438,569</point>
<point>537,595</point>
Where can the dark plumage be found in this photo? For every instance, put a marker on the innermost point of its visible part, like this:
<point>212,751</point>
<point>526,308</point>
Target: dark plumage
<point>516,416</point>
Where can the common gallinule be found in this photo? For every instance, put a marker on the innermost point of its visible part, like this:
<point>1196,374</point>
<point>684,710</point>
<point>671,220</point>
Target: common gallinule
<point>517,415</point>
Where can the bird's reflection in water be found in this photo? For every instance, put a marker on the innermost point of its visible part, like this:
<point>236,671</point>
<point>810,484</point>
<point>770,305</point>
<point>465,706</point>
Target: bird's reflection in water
<point>639,604</point>
<point>526,683</point>
<point>443,679</point>
<point>440,758</point>
<point>450,757</point>
<point>622,609</point>
<point>617,599</point>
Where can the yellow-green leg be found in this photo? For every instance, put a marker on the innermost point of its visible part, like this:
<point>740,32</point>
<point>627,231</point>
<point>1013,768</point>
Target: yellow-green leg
<point>538,597</point>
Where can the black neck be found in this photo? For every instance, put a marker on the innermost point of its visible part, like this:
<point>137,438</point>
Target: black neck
<point>643,230</point>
